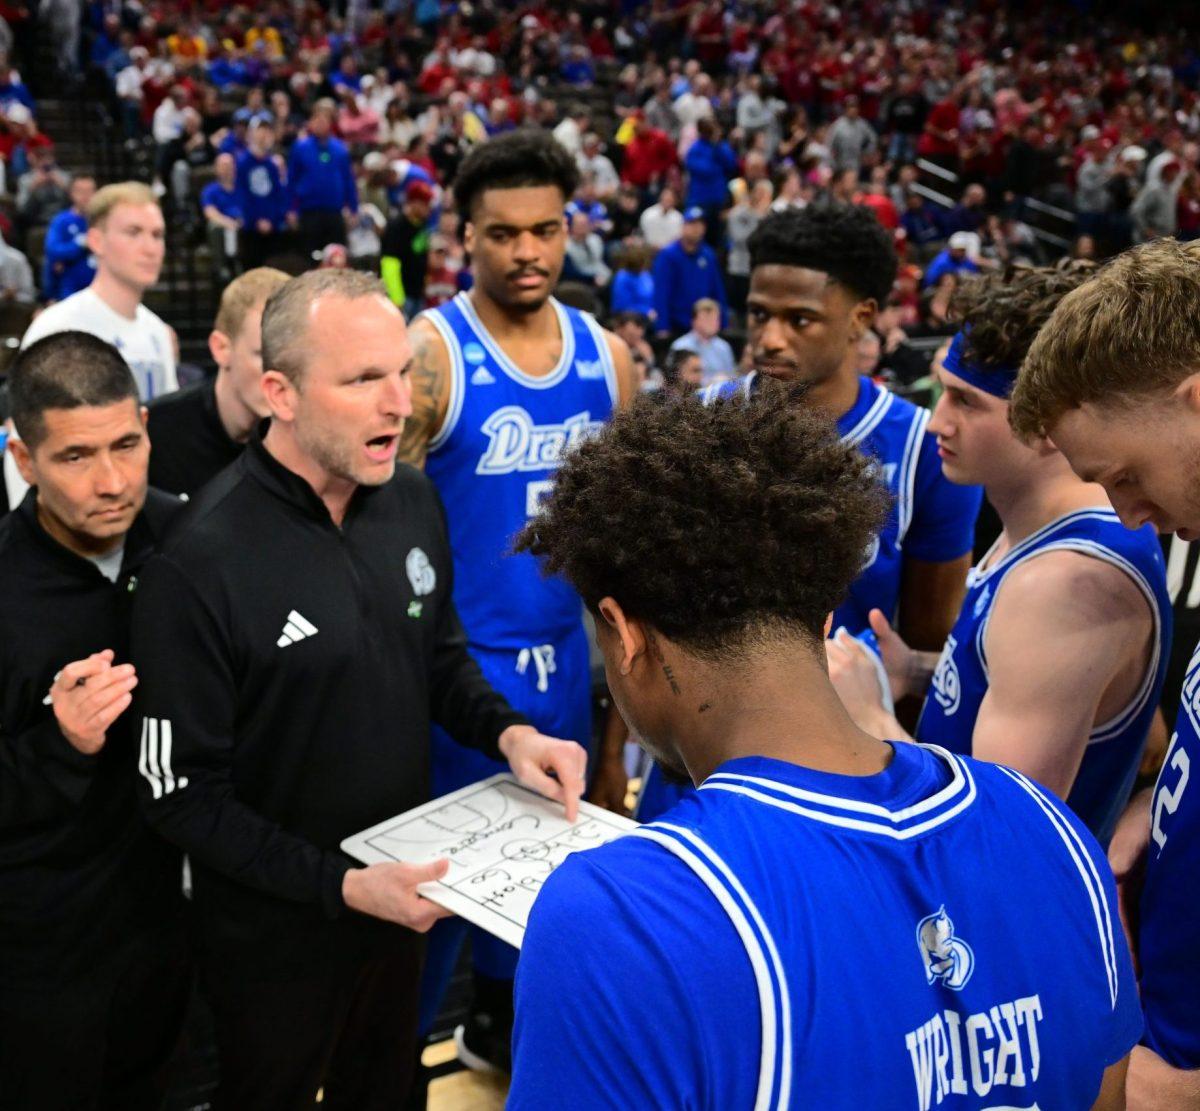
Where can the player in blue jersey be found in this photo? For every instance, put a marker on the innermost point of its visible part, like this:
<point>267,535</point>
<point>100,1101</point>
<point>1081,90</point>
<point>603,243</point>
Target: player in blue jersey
<point>1114,379</point>
<point>1056,661</point>
<point>830,921</point>
<point>507,381</point>
<point>817,279</point>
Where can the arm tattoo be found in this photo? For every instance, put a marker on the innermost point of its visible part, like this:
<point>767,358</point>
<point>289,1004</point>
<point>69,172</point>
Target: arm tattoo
<point>428,388</point>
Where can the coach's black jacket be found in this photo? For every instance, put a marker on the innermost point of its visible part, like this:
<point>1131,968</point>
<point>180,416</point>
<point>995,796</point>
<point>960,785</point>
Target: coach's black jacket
<point>80,872</point>
<point>294,667</point>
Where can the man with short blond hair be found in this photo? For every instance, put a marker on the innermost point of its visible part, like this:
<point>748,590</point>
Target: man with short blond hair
<point>1113,378</point>
<point>127,238</point>
<point>198,431</point>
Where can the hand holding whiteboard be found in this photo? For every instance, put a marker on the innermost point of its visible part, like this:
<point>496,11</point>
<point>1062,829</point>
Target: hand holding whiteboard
<point>501,840</point>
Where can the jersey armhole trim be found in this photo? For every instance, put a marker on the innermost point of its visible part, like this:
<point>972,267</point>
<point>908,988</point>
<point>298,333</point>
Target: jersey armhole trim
<point>775,1062</point>
<point>1086,868</point>
<point>909,463</point>
<point>606,358</point>
<point>458,382</point>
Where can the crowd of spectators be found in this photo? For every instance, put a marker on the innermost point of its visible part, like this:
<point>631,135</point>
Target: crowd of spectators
<point>290,132</point>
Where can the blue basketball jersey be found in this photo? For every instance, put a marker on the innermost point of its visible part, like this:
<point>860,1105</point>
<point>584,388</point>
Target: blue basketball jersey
<point>931,518</point>
<point>494,458</point>
<point>1169,941</point>
<point>940,935</point>
<point>960,681</point>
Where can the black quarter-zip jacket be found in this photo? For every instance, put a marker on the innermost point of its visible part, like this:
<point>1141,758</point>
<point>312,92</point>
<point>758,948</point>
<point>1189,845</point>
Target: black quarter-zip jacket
<point>80,872</point>
<point>289,671</point>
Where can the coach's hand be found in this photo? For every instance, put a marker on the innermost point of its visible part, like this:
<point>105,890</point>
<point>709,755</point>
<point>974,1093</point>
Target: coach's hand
<point>88,696</point>
<point>389,891</point>
<point>533,757</point>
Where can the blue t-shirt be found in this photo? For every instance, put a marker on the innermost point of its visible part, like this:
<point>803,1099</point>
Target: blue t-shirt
<point>1169,942</point>
<point>68,265</point>
<point>225,201</point>
<point>941,934</point>
<point>960,682</point>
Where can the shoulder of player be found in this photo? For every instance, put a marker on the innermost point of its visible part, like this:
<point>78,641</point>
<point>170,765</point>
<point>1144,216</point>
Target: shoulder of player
<point>428,346</point>
<point>1047,586</point>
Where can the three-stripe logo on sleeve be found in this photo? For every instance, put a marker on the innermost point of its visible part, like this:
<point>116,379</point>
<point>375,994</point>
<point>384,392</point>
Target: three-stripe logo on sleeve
<point>154,761</point>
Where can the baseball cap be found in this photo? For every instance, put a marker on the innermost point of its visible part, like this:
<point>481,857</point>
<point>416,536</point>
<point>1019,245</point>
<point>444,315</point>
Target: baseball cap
<point>961,241</point>
<point>693,213</point>
<point>1090,132</point>
<point>243,115</point>
<point>418,191</point>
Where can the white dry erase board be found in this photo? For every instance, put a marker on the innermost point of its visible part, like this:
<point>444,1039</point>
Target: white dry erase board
<point>502,841</point>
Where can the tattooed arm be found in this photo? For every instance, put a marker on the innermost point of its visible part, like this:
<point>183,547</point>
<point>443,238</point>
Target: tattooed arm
<point>430,375</point>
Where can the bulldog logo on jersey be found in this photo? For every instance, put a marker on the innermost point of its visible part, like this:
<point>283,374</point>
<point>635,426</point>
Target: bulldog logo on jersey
<point>946,957</point>
<point>420,572</point>
<point>946,685</point>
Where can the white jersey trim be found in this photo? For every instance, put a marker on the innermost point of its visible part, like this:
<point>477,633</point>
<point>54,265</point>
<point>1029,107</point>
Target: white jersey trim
<point>871,418</point>
<point>1092,884</point>
<point>458,383</point>
<point>908,471</point>
<point>606,359</point>
<point>962,783</point>
<point>1092,550</point>
<point>769,994</point>
<point>533,381</point>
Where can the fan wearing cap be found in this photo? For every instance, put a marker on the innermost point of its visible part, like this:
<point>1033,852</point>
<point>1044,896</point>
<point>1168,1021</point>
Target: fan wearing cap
<point>404,258</point>
<point>960,256</point>
<point>1056,661</point>
<point>685,272</point>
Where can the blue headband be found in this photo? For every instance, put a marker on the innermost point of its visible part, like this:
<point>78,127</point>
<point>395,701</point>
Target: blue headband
<point>998,381</point>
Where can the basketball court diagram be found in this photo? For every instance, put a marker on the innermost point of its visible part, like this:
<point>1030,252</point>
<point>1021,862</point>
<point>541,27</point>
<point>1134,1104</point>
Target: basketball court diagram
<point>502,841</point>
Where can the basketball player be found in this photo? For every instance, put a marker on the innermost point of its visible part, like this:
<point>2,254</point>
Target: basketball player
<point>831,920</point>
<point>1055,664</point>
<point>506,380</point>
<point>818,276</point>
<point>1114,379</point>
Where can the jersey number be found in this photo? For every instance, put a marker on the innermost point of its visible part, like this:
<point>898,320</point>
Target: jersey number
<point>1166,800</point>
<point>534,493</point>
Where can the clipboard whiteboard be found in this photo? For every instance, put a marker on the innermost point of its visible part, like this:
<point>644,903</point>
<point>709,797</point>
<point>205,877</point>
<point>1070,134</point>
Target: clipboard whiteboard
<point>502,841</point>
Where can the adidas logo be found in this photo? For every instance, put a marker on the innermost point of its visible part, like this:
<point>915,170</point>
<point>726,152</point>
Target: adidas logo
<point>483,377</point>
<point>295,628</point>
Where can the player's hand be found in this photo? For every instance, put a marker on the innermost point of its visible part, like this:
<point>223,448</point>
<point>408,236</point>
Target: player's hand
<point>610,785</point>
<point>534,757</point>
<point>389,891</point>
<point>1127,857</point>
<point>88,696</point>
<point>896,655</point>
<point>856,680</point>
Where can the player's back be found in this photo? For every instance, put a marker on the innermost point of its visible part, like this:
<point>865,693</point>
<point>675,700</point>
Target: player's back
<point>494,459</point>
<point>942,934</point>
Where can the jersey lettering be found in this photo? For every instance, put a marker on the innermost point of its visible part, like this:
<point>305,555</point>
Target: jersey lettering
<point>1001,1048</point>
<point>946,687</point>
<point>516,443</point>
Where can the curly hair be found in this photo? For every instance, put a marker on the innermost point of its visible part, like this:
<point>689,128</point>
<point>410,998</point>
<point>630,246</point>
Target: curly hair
<point>845,241</point>
<point>718,525</point>
<point>525,157</point>
<point>1006,311</point>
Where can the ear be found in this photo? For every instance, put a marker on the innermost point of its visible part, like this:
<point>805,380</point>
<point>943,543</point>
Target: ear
<point>469,236</point>
<point>628,631</point>
<point>1188,391</point>
<point>23,459</point>
<point>863,317</point>
<point>828,625</point>
<point>280,394</point>
<point>219,345</point>
<point>95,236</point>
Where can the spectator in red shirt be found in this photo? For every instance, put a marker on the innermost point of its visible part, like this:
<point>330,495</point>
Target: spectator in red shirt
<point>875,197</point>
<point>939,140</point>
<point>649,155</point>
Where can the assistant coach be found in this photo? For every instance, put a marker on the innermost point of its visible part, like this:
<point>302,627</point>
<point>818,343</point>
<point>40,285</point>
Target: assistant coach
<point>294,640</point>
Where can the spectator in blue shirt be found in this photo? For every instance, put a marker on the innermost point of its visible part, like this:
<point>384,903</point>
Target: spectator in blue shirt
<point>262,196</point>
<point>633,284</point>
<point>955,259</point>
<point>223,218</point>
<point>11,88</point>
<point>224,71</point>
<point>321,179</point>
<point>346,75</point>
<point>919,222</point>
<point>685,272</point>
<point>68,266</point>
<point>711,164</point>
